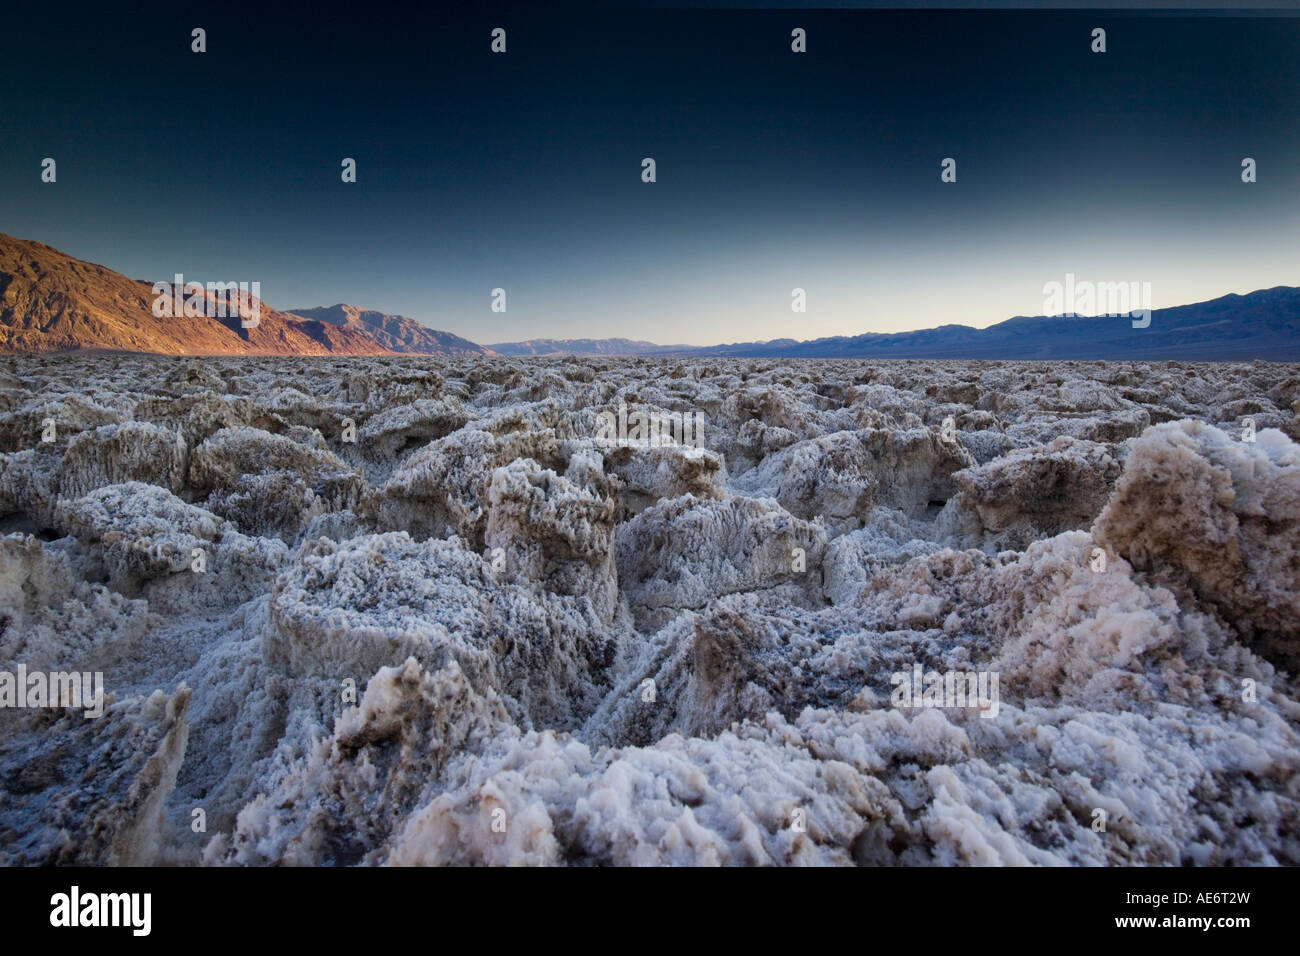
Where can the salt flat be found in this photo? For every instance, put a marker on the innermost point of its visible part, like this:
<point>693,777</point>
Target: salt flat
<point>429,610</point>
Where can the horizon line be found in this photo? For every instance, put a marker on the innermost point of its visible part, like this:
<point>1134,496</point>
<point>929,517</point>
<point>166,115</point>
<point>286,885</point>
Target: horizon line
<point>674,345</point>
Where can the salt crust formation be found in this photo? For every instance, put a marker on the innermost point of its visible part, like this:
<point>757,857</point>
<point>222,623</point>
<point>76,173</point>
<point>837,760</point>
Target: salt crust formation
<point>478,633</point>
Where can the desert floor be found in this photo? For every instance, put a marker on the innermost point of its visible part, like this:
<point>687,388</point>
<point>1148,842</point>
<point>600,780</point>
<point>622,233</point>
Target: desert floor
<point>434,611</point>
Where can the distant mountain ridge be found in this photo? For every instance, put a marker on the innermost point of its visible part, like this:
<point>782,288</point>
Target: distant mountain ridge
<point>582,347</point>
<point>1264,324</point>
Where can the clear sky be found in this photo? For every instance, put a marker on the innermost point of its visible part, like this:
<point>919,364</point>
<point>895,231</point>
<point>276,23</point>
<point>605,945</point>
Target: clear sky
<point>774,169</point>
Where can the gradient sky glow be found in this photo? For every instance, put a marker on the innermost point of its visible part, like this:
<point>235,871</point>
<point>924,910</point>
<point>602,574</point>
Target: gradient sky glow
<point>775,170</point>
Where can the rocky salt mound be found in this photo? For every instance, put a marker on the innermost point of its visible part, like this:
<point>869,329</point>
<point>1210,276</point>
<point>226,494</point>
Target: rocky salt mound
<point>426,611</point>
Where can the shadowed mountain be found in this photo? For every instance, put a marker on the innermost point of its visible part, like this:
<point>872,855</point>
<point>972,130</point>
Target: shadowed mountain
<point>397,333</point>
<point>1261,325</point>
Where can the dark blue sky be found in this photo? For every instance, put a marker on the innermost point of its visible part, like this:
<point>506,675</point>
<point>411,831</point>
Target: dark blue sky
<point>775,170</point>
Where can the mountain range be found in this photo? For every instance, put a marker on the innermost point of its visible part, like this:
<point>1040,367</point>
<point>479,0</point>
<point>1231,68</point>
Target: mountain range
<point>1260,325</point>
<point>52,302</point>
<point>585,347</point>
<point>396,333</point>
